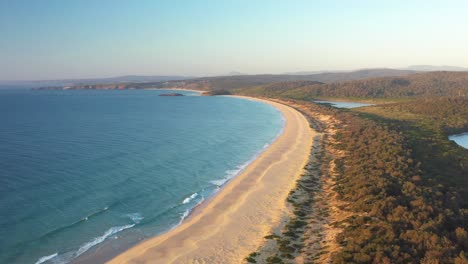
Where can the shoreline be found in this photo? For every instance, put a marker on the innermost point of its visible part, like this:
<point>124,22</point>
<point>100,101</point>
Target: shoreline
<point>104,253</point>
<point>232,223</point>
<point>176,89</point>
<point>199,207</point>
<point>314,201</point>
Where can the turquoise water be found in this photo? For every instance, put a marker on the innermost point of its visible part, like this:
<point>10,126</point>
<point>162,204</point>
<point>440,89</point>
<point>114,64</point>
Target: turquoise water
<point>81,169</point>
<point>343,104</point>
<point>460,139</point>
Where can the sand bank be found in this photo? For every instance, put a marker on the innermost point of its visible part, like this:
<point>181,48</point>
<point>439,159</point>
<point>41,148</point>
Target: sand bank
<point>234,223</point>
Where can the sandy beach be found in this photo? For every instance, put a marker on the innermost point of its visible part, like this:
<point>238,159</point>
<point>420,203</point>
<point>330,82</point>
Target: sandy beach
<point>234,222</point>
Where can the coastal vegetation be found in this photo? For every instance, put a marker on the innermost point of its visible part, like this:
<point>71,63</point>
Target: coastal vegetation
<point>398,202</point>
<point>402,212</point>
<point>426,125</point>
<point>217,92</point>
<point>401,184</point>
<point>432,84</point>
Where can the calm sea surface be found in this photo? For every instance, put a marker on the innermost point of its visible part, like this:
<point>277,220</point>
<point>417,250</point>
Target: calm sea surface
<point>79,169</point>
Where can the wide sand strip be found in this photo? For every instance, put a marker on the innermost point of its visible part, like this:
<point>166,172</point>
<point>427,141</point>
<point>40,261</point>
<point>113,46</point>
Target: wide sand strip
<point>234,223</point>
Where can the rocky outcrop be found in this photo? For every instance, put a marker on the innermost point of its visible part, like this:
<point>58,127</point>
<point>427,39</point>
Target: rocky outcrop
<point>171,94</point>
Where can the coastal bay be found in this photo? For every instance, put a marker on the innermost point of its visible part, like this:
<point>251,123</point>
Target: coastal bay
<point>120,166</point>
<point>235,221</point>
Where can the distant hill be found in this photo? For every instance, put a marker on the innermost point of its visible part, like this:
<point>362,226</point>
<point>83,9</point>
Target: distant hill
<point>73,82</point>
<point>244,81</point>
<point>310,72</point>
<point>434,68</point>
<point>375,72</point>
<point>227,83</point>
<point>449,114</point>
<point>328,77</point>
<point>415,85</point>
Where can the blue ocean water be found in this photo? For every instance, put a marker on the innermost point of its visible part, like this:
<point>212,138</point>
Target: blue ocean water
<point>460,139</point>
<point>79,169</point>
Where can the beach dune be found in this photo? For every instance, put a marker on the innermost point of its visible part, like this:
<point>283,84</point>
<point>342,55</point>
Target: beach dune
<point>234,223</point>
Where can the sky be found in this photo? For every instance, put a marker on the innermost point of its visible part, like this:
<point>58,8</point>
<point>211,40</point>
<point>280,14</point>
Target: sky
<point>56,39</point>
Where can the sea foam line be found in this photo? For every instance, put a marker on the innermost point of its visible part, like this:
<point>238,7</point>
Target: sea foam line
<point>190,198</point>
<point>69,256</point>
<point>136,217</point>
<point>65,227</point>
<point>230,174</point>
<point>187,212</point>
<point>100,239</point>
<point>46,258</point>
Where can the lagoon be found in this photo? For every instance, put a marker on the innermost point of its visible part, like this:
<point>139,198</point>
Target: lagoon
<point>343,104</point>
<point>460,139</point>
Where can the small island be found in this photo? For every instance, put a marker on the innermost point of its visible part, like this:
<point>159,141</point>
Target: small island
<point>171,94</point>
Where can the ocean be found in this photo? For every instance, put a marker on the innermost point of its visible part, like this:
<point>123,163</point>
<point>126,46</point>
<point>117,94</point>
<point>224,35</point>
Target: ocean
<point>84,170</point>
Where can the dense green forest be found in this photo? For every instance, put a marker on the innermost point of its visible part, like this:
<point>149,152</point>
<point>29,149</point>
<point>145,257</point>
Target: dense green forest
<point>426,125</point>
<point>410,86</point>
<point>246,81</point>
<point>446,114</point>
<point>404,214</point>
<point>403,181</point>
<point>317,86</point>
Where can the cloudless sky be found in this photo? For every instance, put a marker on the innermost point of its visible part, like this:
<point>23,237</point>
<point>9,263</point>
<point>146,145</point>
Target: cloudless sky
<point>56,39</point>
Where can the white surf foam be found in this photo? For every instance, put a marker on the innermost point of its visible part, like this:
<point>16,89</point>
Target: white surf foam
<point>229,174</point>
<point>70,256</point>
<point>136,217</point>
<point>113,230</point>
<point>233,173</point>
<point>46,258</point>
<point>184,215</point>
<point>190,198</point>
<point>219,182</point>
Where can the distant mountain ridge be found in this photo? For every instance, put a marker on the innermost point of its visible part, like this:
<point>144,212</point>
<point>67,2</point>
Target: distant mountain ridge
<point>243,81</point>
<point>422,84</point>
<point>365,84</point>
<point>233,73</point>
<point>232,81</point>
<point>434,68</point>
<point>72,82</point>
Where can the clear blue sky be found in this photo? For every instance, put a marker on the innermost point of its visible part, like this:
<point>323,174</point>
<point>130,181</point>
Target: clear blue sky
<point>53,39</point>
